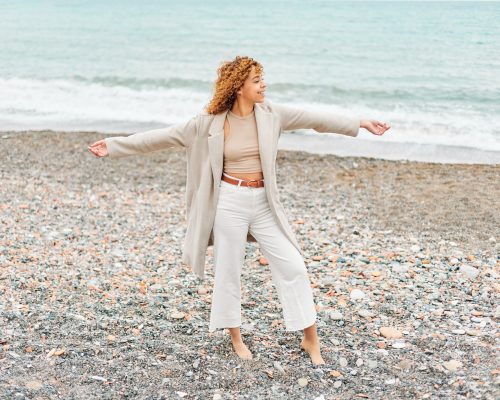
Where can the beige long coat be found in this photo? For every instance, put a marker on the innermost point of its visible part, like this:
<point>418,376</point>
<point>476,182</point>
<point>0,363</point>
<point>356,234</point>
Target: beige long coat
<point>203,138</point>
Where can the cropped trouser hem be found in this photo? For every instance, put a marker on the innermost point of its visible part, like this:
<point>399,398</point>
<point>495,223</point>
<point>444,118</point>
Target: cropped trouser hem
<point>241,210</point>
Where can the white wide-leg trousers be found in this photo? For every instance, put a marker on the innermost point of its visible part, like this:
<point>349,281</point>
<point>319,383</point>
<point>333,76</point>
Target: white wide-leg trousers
<point>240,210</point>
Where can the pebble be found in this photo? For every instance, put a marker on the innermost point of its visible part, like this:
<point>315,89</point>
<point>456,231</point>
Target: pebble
<point>302,382</point>
<point>343,362</point>
<point>452,365</point>
<point>336,316</point>
<point>390,333</point>
<point>405,364</point>
<point>365,313</point>
<point>178,314</point>
<point>34,385</point>
<point>469,272</point>
<point>357,294</point>
<point>399,345</point>
<point>337,384</point>
<point>278,366</point>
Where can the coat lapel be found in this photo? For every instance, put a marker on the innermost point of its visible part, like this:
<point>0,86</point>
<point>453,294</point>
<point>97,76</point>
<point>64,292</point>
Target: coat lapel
<point>264,121</point>
<point>216,147</point>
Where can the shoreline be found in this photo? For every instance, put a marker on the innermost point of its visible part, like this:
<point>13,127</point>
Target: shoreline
<point>342,146</point>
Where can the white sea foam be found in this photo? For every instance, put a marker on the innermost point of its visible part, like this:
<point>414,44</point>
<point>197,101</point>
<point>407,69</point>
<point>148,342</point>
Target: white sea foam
<point>72,105</point>
<point>29,104</point>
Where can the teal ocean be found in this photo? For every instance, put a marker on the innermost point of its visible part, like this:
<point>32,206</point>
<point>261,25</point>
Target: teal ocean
<point>430,69</point>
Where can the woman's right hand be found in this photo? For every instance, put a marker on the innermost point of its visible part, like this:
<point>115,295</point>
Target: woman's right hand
<point>99,148</point>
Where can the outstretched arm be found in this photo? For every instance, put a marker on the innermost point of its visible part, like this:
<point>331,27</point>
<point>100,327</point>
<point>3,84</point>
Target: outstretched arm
<point>297,118</point>
<point>179,135</point>
<point>292,118</point>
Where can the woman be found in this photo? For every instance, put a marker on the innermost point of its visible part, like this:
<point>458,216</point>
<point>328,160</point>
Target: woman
<point>231,151</point>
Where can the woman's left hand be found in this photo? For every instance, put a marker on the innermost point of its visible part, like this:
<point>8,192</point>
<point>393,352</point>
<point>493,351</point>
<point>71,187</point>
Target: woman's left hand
<point>374,126</point>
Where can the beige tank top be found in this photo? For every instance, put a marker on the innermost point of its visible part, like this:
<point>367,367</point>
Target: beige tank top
<point>241,148</point>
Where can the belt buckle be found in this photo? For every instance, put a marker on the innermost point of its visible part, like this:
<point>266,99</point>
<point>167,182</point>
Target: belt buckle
<point>253,180</point>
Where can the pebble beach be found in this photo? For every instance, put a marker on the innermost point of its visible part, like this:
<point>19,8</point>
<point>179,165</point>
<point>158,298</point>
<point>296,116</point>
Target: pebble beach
<point>95,303</point>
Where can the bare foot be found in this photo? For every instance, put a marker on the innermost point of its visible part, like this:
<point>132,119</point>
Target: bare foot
<point>312,348</point>
<point>242,350</point>
<point>239,347</point>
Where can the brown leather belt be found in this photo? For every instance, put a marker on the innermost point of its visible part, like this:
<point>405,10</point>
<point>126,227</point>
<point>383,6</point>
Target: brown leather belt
<point>256,183</point>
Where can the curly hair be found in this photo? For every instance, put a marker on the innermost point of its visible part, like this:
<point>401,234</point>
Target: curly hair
<point>231,76</point>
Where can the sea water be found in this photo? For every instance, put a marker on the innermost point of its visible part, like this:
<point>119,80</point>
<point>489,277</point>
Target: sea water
<point>429,69</point>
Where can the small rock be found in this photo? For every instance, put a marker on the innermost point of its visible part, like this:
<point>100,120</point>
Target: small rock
<point>278,366</point>
<point>357,294</point>
<point>178,314</point>
<point>336,316</point>
<point>458,331</point>
<point>359,362</point>
<point>469,272</point>
<point>365,313</point>
<point>390,333</point>
<point>452,365</point>
<point>343,362</point>
<point>405,364</point>
<point>302,382</point>
<point>34,385</point>
<point>399,345</point>
<point>337,384</point>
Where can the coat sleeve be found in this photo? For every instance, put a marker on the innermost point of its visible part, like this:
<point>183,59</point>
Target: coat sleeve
<point>179,135</point>
<point>292,118</point>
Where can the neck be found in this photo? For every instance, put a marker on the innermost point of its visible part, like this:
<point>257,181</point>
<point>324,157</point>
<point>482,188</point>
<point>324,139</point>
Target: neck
<point>242,108</point>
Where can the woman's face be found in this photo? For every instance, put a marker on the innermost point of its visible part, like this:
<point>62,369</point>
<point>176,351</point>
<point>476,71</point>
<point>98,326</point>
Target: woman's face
<point>254,87</point>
